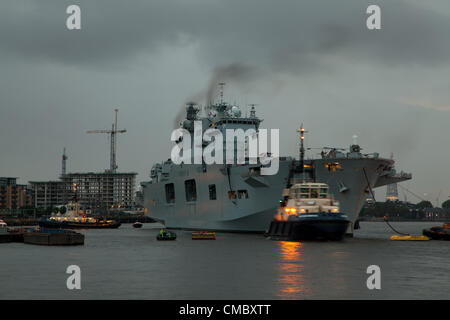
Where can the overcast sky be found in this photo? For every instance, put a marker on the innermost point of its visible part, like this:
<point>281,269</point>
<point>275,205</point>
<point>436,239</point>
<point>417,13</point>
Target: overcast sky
<point>301,61</point>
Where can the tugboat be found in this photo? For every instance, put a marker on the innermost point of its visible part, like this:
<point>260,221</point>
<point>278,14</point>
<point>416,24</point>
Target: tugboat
<point>73,219</point>
<point>438,232</point>
<point>309,213</point>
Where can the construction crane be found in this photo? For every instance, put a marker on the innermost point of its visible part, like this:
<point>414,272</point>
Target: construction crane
<point>63,163</point>
<point>113,132</point>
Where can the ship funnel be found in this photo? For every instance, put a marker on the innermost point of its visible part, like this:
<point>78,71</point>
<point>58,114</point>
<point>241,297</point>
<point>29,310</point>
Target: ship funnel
<point>191,110</point>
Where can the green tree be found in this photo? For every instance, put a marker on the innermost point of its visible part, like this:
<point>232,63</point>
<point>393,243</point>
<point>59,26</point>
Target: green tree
<point>446,205</point>
<point>424,204</point>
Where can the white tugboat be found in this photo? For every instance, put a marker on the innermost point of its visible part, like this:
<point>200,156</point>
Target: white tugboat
<point>309,213</point>
<point>74,219</point>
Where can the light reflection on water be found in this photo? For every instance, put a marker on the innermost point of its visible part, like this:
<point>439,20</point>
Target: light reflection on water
<point>291,270</point>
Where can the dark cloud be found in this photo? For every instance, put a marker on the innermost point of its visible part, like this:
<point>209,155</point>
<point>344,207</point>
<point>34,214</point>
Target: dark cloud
<point>289,36</point>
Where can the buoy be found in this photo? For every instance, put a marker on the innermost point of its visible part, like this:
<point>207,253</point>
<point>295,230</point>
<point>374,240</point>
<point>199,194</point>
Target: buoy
<point>410,238</point>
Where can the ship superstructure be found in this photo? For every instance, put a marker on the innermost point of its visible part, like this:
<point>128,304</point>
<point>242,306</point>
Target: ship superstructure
<point>237,197</point>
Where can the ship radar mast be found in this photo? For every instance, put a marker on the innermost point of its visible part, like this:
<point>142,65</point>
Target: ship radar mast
<point>355,147</point>
<point>302,148</point>
<point>221,85</point>
<point>252,110</point>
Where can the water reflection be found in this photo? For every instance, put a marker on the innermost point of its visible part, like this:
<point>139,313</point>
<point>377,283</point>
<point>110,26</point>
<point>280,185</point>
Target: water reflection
<point>338,271</point>
<point>291,270</point>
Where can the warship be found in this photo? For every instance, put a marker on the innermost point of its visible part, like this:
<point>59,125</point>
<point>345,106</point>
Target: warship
<point>238,197</point>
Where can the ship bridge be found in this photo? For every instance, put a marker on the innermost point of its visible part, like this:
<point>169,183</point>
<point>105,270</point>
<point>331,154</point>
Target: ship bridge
<point>223,117</point>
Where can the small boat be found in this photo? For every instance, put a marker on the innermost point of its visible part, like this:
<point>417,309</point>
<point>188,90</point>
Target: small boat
<point>409,238</point>
<point>137,224</point>
<point>438,233</point>
<point>166,235</point>
<point>73,219</point>
<point>309,213</point>
<point>203,235</point>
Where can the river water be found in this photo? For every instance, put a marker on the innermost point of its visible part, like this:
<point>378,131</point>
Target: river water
<point>129,263</point>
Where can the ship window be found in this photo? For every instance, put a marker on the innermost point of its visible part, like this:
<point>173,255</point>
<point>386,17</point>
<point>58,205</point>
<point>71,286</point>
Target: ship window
<point>323,190</point>
<point>304,196</point>
<point>231,194</point>
<point>333,166</point>
<point>212,192</point>
<point>242,194</point>
<point>191,190</point>
<point>314,193</point>
<point>323,195</point>
<point>170,193</point>
<point>304,190</point>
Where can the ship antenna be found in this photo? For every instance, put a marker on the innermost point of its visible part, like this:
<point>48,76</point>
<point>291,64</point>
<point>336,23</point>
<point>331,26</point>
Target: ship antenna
<point>252,110</point>
<point>221,85</point>
<point>302,148</point>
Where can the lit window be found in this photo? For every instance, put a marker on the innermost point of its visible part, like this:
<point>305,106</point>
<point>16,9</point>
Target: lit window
<point>231,195</point>
<point>333,166</point>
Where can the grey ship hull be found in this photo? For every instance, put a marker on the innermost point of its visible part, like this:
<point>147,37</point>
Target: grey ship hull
<point>350,186</point>
<point>254,214</point>
<point>248,214</point>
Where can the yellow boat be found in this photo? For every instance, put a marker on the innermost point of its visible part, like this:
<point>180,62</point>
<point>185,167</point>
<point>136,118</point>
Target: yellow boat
<point>203,235</point>
<point>410,238</point>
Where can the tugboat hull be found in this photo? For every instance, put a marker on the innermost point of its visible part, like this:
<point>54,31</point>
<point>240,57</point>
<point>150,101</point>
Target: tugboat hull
<point>437,233</point>
<point>309,228</point>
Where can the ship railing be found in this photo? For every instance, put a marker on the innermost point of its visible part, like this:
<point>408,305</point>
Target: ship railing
<point>402,174</point>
